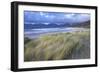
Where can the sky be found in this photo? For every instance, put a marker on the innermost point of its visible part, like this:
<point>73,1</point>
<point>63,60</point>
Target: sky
<point>54,17</point>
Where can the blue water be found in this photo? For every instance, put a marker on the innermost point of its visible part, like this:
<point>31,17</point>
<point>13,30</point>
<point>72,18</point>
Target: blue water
<point>32,33</point>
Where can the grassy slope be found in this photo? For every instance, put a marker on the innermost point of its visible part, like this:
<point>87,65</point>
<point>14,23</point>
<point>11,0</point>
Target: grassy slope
<point>58,46</point>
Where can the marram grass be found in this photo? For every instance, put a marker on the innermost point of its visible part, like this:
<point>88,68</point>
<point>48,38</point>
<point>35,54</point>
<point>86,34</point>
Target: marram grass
<point>57,46</point>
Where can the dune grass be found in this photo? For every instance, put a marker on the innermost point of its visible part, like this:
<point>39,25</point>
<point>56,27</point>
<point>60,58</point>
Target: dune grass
<point>55,46</point>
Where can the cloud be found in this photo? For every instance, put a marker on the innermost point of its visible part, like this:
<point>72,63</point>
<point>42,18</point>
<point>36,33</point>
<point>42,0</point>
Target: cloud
<point>56,17</point>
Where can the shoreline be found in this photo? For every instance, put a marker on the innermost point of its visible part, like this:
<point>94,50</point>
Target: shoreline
<point>35,34</point>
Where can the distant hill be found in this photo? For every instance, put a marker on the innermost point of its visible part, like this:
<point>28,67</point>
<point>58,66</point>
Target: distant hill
<point>54,25</point>
<point>51,25</point>
<point>83,24</point>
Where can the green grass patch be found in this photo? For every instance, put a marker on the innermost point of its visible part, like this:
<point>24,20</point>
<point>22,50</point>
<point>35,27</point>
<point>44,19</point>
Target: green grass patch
<point>56,46</point>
